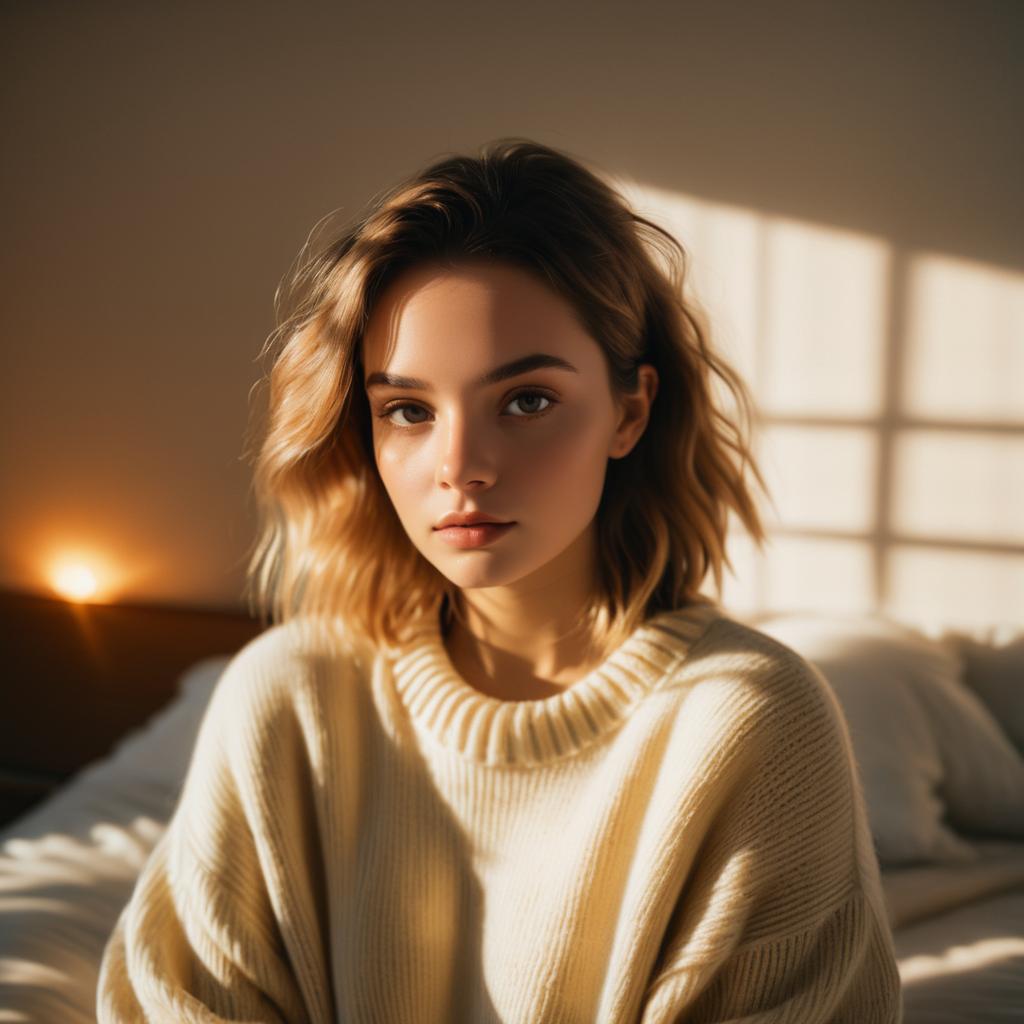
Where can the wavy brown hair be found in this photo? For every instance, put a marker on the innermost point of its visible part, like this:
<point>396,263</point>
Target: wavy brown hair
<point>330,544</point>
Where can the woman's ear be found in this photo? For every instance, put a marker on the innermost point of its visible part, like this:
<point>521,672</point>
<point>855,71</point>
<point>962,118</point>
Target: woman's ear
<point>634,412</point>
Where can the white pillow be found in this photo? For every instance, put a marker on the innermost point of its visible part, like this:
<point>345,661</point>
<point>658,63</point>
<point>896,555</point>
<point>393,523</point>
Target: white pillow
<point>983,784</point>
<point>196,683</point>
<point>142,775</point>
<point>994,670</point>
<point>872,666</point>
<point>158,752</point>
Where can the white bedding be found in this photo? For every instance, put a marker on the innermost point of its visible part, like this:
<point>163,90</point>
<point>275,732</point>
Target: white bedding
<point>68,867</point>
<point>965,966</point>
<point>915,893</point>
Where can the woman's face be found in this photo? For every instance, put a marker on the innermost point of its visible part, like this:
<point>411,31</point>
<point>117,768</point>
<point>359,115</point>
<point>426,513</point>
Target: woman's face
<point>468,431</point>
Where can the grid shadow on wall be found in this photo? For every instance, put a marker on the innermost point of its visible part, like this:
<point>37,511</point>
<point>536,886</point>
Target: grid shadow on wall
<point>890,384</point>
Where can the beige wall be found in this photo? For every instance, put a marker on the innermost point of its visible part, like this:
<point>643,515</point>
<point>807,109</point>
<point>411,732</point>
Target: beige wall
<point>164,163</point>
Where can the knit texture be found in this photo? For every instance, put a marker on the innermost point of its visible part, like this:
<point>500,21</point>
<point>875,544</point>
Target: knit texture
<point>363,837</point>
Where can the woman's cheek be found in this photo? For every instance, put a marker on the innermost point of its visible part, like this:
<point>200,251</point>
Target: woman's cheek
<point>396,472</point>
<point>572,454</point>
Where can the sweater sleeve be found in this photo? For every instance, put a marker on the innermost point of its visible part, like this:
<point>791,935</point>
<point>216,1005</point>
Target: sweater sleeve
<point>214,931</point>
<point>782,918</point>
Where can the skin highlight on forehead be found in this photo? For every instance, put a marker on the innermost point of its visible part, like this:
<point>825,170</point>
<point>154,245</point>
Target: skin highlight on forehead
<point>486,307</point>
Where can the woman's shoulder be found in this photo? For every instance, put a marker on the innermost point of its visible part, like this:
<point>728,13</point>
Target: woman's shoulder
<point>769,715</point>
<point>303,637</point>
<point>760,676</point>
<point>729,636</point>
<point>286,660</point>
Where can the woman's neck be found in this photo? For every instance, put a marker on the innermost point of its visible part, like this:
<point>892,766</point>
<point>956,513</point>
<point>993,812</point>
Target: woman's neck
<point>532,636</point>
<point>508,674</point>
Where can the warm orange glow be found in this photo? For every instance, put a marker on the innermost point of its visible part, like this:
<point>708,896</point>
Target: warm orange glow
<point>82,570</point>
<point>76,581</point>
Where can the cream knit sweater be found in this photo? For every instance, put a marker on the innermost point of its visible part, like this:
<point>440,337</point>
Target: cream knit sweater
<point>363,837</point>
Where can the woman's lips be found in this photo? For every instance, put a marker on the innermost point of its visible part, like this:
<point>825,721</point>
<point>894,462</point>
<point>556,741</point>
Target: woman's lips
<point>474,536</point>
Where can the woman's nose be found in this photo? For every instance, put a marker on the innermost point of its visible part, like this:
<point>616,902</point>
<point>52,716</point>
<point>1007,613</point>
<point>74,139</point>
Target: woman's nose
<point>466,457</point>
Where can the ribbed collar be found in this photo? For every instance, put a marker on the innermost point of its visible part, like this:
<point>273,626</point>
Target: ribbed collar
<point>492,731</point>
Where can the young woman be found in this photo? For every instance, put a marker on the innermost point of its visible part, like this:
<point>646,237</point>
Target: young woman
<point>496,757</point>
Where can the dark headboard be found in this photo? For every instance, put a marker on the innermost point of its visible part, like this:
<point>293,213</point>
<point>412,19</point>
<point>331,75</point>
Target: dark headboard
<point>77,677</point>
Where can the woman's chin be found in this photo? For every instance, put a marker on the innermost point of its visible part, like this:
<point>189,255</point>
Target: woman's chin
<point>475,580</point>
<point>479,569</point>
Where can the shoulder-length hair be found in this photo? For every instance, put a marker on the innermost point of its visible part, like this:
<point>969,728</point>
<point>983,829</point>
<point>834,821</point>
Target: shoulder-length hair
<point>329,543</point>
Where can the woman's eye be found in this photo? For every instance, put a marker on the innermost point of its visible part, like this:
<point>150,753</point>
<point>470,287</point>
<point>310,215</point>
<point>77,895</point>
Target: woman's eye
<point>389,411</point>
<point>529,397</point>
<point>527,400</point>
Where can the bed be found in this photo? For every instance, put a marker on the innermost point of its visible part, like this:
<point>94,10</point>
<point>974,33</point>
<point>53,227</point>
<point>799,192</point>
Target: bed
<point>952,856</point>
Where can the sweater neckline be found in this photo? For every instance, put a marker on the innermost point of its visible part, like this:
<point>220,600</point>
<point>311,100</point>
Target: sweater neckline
<point>489,730</point>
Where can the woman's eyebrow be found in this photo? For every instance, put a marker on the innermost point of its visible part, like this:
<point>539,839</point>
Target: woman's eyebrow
<point>536,361</point>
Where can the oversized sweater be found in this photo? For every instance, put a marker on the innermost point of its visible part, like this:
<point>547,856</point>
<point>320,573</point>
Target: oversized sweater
<point>362,837</point>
